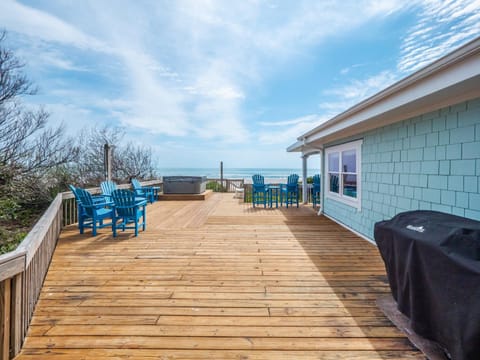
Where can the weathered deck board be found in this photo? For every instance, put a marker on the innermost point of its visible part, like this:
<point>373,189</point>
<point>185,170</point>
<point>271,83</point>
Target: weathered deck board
<point>218,280</point>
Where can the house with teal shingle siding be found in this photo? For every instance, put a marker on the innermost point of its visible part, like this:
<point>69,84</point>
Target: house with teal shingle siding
<point>414,145</point>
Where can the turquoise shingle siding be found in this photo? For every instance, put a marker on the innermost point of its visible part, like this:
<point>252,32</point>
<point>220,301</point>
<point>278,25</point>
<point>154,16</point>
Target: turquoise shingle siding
<point>428,162</point>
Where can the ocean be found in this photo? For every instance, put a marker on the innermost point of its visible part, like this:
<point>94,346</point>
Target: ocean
<point>235,173</point>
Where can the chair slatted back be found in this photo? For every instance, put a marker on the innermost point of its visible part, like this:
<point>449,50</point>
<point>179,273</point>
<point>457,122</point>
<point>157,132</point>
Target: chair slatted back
<point>108,187</point>
<point>86,200</point>
<point>124,202</point>
<point>334,183</point>
<point>292,179</point>
<point>258,179</point>
<point>77,199</point>
<point>136,184</point>
<point>316,182</point>
<point>292,182</point>
<point>73,189</point>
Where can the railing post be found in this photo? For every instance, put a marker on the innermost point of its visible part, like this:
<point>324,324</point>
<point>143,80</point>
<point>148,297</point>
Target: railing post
<point>17,314</point>
<point>5,298</point>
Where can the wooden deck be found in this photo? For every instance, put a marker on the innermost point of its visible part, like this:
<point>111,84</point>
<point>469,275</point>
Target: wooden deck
<point>216,280</point>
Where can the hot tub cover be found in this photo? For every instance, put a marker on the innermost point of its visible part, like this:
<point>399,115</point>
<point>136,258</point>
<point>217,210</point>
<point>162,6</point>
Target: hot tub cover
<point>432,261</point>
<point>184,184</point>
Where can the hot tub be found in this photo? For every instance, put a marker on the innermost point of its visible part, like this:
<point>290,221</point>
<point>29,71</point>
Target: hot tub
<point>184,184</point>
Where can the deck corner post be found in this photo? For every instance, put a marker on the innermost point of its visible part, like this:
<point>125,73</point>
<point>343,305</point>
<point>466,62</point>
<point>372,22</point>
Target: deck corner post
<point>5,300</point>
<point>16,329</point>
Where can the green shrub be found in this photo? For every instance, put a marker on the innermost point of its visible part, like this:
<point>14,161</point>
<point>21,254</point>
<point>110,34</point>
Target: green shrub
<point>215,186</point>
<point>9,240</point>
<point>9,209</point>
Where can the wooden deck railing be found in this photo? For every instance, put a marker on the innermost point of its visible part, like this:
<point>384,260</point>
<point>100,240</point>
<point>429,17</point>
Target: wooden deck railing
<point>21,277</point>
<point>23,270</point>
<point>226,185</point>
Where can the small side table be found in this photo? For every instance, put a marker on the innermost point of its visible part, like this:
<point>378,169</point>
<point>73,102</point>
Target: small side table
<point>155,190</point>
<point>274,193</point>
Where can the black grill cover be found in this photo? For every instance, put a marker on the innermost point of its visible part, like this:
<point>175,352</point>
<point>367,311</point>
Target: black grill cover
<point>433,266</point>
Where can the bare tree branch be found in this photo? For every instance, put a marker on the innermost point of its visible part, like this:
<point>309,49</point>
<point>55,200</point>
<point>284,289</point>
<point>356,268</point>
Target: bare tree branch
<point>29,150</point>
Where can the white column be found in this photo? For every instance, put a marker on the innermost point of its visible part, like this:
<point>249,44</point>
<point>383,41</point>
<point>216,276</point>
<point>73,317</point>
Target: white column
<point>304,178</point>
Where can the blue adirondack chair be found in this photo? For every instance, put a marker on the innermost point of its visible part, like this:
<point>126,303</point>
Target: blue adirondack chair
<point>107,188</point>
<point>80,210</point>
<point>148,192</point>
<point>93,211</point>
<point>290,190</point>
<point>334,183</point>
<point>316,190</point>
<point>259,190</point>
<point>128,211</point>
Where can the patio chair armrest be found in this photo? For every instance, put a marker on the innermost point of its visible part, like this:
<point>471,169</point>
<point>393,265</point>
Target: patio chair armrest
<point>99,205</point>
<point>100,198</point>
<point>148,188</point>
<point>136,205</point>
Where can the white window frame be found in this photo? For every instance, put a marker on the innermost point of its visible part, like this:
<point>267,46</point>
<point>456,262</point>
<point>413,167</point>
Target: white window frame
<point>353,145</point>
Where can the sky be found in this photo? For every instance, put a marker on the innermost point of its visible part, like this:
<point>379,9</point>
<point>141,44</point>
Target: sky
<point>204,81</point>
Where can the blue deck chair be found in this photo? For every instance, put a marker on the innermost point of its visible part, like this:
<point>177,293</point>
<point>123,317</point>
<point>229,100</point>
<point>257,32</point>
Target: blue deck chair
<point>93,212</point>
<point>316,190</point>
<point>147,192</point>
<point>97,199</point>
<point>259,190</point>
<point>334,183</point>
<point>128,210</point>
<point>107,188</point>
<point>290,190</point>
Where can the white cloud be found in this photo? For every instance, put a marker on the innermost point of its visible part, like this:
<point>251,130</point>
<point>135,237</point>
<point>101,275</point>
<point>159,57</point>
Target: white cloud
<point>218,119</point>
<point>223,48</point>
<point>62,114</point>
<point>299,120</point>
<point>355,91</point>
<point>288,130</point>
<point>344,97</point>
<point>186,69</point>
<point>442,26</point>
<point>223,92</point>
<point>307,23</point>
<point>20,18</point>
<point>42,56</point>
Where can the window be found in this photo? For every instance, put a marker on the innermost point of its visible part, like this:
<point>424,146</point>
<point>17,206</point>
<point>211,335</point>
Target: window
<point>343,175</point>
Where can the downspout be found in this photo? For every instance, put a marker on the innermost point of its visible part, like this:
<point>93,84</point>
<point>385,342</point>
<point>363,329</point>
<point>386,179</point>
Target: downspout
<point>304,179</point>
<point>322,181</point>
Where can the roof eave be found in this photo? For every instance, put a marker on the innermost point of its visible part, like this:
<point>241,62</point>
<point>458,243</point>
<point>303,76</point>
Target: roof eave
<point>296,147</point>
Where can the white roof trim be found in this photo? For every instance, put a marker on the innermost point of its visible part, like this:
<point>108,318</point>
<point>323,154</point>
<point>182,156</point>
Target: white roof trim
<point>450,79</point>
